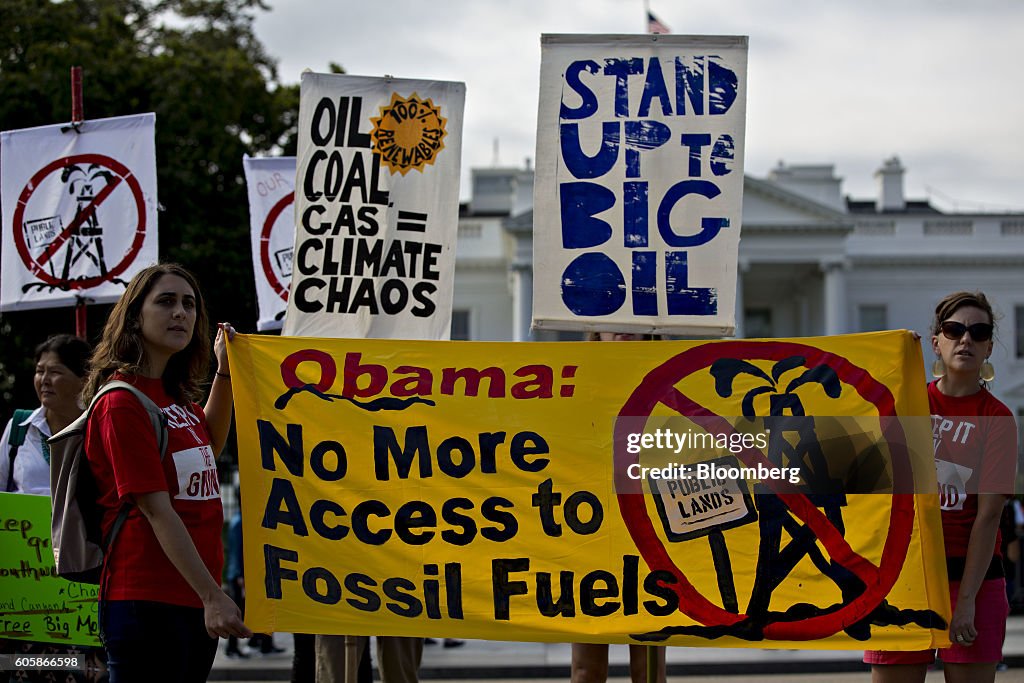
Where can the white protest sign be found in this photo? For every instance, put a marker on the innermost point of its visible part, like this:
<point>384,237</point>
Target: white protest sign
<point>79,211</point>
<point>639,183</point>
<point>377,203</point>
<point>271,187</point>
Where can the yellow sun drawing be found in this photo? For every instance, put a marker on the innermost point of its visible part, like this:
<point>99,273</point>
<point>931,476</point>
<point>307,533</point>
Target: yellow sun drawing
<point>409,133</point>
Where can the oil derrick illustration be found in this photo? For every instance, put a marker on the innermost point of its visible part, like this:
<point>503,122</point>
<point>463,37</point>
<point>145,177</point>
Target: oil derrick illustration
<point>85,240</point>
<point>793,443</point>
<point>802,523</point>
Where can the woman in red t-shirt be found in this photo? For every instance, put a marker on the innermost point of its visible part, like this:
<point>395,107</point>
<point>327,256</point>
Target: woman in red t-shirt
<point>975,457</point>
<point>161,604</point>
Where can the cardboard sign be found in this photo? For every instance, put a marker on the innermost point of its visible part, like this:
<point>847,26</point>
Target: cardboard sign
<point>35,603</point>
<point>639,183</point>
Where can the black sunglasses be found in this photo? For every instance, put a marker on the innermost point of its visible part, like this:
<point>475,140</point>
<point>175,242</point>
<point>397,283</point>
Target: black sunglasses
<point>953,330</point>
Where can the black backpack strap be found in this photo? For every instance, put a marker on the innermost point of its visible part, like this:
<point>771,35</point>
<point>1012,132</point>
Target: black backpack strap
<point>15,439</point>
<point>115,528</point>
<point>159,423</point>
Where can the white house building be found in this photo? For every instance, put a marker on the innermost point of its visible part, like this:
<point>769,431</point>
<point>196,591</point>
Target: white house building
<point>812,262</point>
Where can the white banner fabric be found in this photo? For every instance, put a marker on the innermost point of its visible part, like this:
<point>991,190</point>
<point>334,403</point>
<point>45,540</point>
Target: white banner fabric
<point>79,211</point>
<point>376,207</point>
<point>270,182</point>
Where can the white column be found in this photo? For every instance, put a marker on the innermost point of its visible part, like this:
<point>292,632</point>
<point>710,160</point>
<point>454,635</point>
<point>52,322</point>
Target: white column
<point>803,316</point>
<point>741,268</point>
<point>522,301</point>
<point>835,296</point>
<point>521,274</point>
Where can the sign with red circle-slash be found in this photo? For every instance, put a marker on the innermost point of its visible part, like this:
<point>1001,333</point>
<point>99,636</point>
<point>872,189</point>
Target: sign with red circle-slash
<point>271,259</point>
<point>660,387</point>
<point>100,177</point>
<point>81,224</point>
<point>270,183</point>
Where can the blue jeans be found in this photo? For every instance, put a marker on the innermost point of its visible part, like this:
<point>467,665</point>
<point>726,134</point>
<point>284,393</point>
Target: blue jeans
<point>154,642</point>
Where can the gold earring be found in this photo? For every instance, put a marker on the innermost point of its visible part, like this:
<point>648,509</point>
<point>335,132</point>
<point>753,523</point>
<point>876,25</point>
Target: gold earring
<point>988,372</point>
<point>938,367</point>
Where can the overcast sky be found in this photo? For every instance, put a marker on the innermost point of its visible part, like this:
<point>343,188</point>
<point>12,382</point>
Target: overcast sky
<point>938,83</point>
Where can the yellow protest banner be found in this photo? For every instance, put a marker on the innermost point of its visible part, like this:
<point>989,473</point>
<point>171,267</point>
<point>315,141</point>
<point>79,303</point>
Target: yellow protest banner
<point>774,493</point>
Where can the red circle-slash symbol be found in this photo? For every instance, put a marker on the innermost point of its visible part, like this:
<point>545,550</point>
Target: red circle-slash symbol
<point>659,387</point>
<point>268,226</point>
<point>120,174</point>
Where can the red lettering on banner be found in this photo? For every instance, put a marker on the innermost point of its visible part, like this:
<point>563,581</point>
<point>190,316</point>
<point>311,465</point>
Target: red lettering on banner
<point>362,380</point>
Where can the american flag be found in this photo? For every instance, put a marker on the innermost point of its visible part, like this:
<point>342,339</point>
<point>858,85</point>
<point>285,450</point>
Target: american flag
<point>655,26</point>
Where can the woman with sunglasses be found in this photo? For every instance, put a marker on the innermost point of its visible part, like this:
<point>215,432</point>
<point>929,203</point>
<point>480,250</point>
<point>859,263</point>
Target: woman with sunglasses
<point>975,456</point>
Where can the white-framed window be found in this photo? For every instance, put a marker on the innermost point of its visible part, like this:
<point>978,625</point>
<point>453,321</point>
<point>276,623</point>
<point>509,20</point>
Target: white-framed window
<point>460,324</point>
<point>872,317</point>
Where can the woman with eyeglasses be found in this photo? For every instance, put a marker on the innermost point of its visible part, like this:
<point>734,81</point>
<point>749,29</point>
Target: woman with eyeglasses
<point>975,458</point>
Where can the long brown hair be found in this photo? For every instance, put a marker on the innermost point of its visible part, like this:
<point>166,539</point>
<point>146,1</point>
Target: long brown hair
<point>121,347</point>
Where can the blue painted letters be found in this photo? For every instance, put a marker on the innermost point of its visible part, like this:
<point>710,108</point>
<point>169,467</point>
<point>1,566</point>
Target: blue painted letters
<point>651,107</point>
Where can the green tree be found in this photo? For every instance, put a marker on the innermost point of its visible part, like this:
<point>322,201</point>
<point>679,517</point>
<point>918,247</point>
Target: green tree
<point>216,93</point>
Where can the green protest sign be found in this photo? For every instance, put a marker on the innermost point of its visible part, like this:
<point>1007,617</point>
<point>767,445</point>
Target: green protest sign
<point>35,603</point>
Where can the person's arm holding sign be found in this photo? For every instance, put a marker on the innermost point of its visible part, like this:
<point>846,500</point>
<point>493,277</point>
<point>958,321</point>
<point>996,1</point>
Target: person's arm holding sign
<point>219,405</point>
